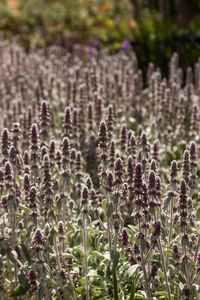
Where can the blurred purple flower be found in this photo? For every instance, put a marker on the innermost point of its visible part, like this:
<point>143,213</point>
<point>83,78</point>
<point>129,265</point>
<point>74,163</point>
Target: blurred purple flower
<point>75,34</point>
<point>90,50</point>
<point>98,43</point>
<point>126,45</point>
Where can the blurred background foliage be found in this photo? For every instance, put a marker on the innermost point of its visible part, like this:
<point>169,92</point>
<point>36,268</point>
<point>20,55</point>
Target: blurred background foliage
<point>154,28</point>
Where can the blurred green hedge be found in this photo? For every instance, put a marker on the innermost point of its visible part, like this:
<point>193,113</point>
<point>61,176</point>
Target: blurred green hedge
<point>43,22</point>
<point>155,28</point>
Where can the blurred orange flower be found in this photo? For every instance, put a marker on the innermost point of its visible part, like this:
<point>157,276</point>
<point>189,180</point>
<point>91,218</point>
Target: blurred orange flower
<point>105,6</point>
<point>132,24</point>
<point>103,26</point>
<point>14,4</point>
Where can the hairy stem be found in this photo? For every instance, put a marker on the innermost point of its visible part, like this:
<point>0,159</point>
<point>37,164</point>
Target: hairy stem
<point>164,268</point>
<point>147,288</point>
<point>85,256</point>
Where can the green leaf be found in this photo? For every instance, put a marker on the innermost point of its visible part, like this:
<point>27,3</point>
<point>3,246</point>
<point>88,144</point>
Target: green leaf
<point>183,266</point>
<point>67,255</point>
<point>132,270</point>
<point>14,204</point>
<point>107,255</point>
<point>22,278</point>
<point>141,295</point>
<point>79,250</point>
<point>109,209</point>
<point>169,252</point>
<point>19,181</point>
<point>198,214</point>
<point>24,232</point>
<point>59,204</point>
<point>197,287</point>
<point>1,220</point>
<point>116,256</point>
<point>41,292</point>
<point>133,228</point>
<point>2,294</point>
<point>2,251</point>
<point>164,294</point>
<point>92,273</point>
<point>50,238</point>
<point>96,292</point>
<point>167,202</point>
<point>108,271</point>
<point>143,244</point>
<point>24,208</point>
<point>80,289</point>
<point>104,204</point>
<point>161,274</point>
<point>46,268</point>
<point>20,290</point>
<point>12,256</point>
<point>132,295</point>
<point>161,293</point>
<point>137,296</point>
<point>26,252</point>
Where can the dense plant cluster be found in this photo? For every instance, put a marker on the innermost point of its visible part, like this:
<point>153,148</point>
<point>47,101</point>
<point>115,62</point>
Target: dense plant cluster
<point>99,177</point>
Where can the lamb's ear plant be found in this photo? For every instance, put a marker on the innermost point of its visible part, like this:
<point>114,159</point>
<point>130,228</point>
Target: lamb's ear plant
<point>108,182</point>
<point>99,177</point>
<point>84,204</point>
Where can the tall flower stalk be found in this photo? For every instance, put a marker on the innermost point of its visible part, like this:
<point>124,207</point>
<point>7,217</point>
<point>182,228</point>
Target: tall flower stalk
<point>84,203</point>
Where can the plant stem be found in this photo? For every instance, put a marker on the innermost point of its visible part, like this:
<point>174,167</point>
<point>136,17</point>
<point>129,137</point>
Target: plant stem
<point>114,268</point>
<point>164,268</point>
<point>10,271</point>
<point>72,284</point>
<point>188,275</point>
<point>197,249</point>
<point>45,287</point>
<point>64,211</point>
<point>108,229</point>
<point>115,283</point>
<point>171,227</point>
<point>147,256</point>
<point>148,292</point>
<point>171,219</point>
<point>57,252</point>
<point>110,251</point>
<point>85,256</point>
<point>12,222</point>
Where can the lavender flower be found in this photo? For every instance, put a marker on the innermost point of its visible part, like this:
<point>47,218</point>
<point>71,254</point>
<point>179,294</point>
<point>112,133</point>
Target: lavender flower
<point>44,121</point>
<point>125,239</point>
<point>67,123</point>
<point>186,166</point>
<point>5,142</point>
<point>38,241</point>
<point>173,172</point>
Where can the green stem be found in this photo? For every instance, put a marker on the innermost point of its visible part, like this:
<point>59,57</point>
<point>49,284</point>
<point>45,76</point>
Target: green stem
<point>64,210</point>
<point>164,269</point>
<point>148,292</point>
<point>171,227</point>
<point>171,219</point>
<point>197,249</point>
<point>85,257</point>
<point>109,231</point>
<point>115,283</point>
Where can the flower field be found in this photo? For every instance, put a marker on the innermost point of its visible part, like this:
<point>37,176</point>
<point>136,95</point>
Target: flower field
<point>99,176</point>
